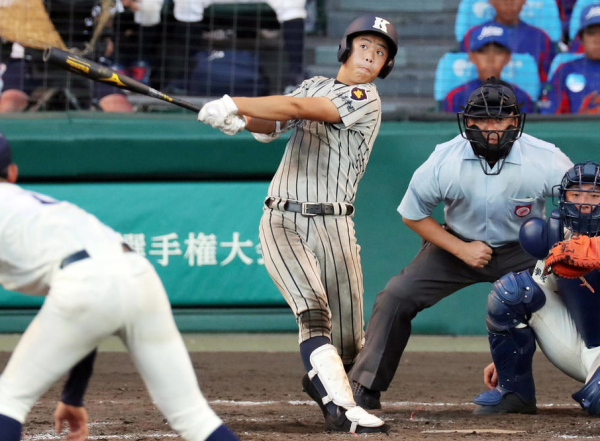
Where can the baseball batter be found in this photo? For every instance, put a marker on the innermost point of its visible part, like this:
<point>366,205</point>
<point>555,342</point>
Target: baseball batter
<point>561,314</point>
<point>307,233</point>
<point>491,178</point>
<point>95,286</point>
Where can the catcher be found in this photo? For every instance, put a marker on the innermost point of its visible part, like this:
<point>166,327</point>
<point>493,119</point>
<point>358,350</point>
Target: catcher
<point>559,306</point>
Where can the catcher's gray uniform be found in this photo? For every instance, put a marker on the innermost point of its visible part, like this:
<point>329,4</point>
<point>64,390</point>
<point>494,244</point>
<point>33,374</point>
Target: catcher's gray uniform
<point>315,259</point>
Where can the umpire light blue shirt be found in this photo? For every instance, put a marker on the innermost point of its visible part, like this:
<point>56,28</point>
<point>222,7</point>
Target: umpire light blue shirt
<point>490,208</point>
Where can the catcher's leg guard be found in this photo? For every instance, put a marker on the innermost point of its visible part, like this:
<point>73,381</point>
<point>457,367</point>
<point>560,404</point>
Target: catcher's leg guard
<point>512,342</point>
<point>328,367</point>
<point>589,395</point>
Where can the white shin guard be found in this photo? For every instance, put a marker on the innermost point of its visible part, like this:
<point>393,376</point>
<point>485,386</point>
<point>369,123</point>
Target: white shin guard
<point>328,366</point>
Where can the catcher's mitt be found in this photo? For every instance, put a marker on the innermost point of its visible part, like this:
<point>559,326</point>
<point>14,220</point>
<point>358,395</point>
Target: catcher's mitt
<point>574,258</point>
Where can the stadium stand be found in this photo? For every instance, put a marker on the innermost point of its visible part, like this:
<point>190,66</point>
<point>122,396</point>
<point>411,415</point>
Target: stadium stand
<point>541,13</point>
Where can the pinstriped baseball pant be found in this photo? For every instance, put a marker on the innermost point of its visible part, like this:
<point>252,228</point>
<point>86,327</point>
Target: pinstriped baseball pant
<point>315,263</point>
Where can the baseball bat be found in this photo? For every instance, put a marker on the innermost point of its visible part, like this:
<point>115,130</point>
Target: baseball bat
<point>98,72</point>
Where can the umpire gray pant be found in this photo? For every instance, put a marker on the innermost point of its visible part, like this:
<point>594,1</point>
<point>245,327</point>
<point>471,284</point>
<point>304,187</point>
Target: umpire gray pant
<point>433,275</point>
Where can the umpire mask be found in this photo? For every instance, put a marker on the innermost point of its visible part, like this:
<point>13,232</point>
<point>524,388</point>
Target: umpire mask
<point>582,218</point>
<point>495,99</point>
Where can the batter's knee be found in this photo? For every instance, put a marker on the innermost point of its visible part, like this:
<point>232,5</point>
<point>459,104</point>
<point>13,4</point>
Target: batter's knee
<point>314,323</point>
<point>513,299</point>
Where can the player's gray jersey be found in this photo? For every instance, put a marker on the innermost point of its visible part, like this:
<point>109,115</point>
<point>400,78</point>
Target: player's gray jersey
<point>324,162</point>
<point>38,232</point>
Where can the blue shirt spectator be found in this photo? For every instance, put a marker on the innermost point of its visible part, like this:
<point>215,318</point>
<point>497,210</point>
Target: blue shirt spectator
<point>489,52</point>
<point>522,37</point>
<point>575,86</point>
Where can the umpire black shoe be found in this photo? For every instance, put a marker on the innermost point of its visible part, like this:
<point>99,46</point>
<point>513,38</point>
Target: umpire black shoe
<point>366,398</point>
<point>494,402</point>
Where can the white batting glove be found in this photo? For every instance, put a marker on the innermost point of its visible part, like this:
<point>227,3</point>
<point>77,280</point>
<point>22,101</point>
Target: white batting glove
<point>233,124</point>
<point>214,113</point>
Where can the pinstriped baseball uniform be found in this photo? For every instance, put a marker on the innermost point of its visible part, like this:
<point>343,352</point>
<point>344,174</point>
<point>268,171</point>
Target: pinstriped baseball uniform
<point>315,260</point>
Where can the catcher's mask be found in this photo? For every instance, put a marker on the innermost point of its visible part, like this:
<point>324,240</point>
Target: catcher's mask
<point>366,24</point>
<point>571,212</point>
<point>494,99</point>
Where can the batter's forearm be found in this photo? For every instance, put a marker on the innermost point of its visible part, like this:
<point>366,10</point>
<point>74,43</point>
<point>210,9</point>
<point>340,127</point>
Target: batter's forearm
<point>273,108</point>
<point>259,125</point>
<point>284,108</point>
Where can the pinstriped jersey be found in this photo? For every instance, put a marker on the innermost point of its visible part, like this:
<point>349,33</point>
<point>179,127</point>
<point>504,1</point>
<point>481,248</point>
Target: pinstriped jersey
<point>323,162</point>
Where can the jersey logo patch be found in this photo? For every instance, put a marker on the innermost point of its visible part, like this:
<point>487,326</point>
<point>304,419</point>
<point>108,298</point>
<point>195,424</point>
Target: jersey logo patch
<point>523,210</point>
<point>358,94</point>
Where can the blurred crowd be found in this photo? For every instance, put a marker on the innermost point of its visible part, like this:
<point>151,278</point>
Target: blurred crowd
<point>549,50</point>
<point>552,72</point>
<point>182,47</point>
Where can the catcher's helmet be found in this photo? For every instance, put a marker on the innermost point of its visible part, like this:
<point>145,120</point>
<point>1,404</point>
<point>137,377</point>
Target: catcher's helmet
<point>571,212</point>
<point>494,99</point>
<point>370,23</point>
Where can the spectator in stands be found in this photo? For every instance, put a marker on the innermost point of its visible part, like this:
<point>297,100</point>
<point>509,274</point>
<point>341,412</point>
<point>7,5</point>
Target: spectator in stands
<point>489,51</point>
<point>522,37</point>
<point>291,15</point>
<point>575,86</point>
<point>26,74</point>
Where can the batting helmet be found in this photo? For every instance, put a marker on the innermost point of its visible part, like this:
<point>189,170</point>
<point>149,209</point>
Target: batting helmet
<point>494,99</point>
<point>571,213</point>
<point>371,23</point>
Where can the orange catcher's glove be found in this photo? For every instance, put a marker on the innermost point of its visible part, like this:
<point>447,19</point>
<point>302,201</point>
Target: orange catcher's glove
<point>574,258</point>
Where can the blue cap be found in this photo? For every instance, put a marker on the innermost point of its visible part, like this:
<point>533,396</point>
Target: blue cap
<point>589,16</point>
<point>5,152</point>
<point>488,34</point>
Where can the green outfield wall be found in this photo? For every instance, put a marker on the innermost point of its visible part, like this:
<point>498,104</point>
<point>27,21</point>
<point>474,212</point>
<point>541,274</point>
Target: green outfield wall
<point>190,199</point>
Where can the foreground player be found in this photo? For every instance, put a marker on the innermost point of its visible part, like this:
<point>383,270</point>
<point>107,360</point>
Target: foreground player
<point>95,286</point>
<point>561,314</point>
<point>491,178</point>
<point>307,233</point>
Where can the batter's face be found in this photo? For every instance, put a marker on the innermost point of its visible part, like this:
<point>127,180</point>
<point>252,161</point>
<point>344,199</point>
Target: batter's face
<point>368,56</point>
<point>507,11</point>
<point>491,128</point>
<point>591,41</point>
<point>584,196</point>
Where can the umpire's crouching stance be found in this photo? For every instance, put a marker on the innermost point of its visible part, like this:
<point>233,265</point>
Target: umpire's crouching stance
<point>491,178</point>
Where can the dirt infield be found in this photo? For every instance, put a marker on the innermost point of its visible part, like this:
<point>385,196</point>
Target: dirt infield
<point>259,396</point>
